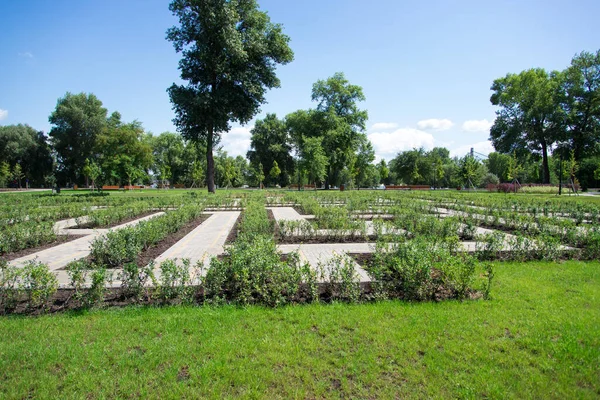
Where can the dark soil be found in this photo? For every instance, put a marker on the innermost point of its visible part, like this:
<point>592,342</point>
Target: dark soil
<point>362,259</point>
<point>154,251</point>
<point>60,239</point>
<point>124,221</point>
<point>299,210</point>
<point>233,233</point>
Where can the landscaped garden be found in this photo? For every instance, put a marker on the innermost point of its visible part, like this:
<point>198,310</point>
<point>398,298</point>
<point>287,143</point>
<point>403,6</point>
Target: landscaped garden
<point>299,294</point>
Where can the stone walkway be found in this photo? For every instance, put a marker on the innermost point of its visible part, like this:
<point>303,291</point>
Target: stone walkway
<point>59,256</point>
<point>322,253</point>
<point>205,241</point>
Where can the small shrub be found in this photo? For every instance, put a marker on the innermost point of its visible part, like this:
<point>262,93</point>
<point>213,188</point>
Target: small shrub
<point>252,273</point>
<point>343,283</point>
<point>134,280</point>
<point>175,280</point>
<point>39,283</point>
<point>9,287</point>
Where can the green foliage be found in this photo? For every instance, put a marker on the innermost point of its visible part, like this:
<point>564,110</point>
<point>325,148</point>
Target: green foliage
<point>275,171</point>
<point>269,144</point>
<point>77,122</point>
<point>39,284</point>
<point>421,269</point>
<point>230,53</point>
<point>252,273</point>
<point>23,145</point>
<point>313,159</point>
<point>10,289</point>
<point>342,281</point>
<point>529,115</point>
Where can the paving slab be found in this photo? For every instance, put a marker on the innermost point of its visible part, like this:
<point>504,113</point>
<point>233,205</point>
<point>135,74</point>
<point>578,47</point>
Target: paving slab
<point>206,240</point>
<point>59,256</point>
<point>317,254</point>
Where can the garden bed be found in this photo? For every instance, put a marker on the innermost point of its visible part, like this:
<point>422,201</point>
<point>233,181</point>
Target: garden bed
<point>156,250</point>
<point>60,239</point>
<point>116,223</point>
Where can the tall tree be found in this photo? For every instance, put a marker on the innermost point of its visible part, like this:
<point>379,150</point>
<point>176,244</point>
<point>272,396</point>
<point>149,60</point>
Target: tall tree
<point>169,149</point>
<point>270,142</point>
<point>23,145</point>
<point>529,115</point>
<point>230,50</point>
<point>125,152</point>
<point>313,160</point>
<point>580,102</point>
<point>342,121</point>
<point>78,120</point>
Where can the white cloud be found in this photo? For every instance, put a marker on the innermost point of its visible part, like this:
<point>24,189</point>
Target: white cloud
<point>477,126</point>
<point>479,147</point>
<point>26,54</point>
<point>236,142</point>
<point>384,126</point>
<point>435,124</point>
<point>3,114</point>
<point>388,144</point>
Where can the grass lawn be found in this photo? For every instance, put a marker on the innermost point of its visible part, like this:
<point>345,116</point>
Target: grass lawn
<point>538,338</point>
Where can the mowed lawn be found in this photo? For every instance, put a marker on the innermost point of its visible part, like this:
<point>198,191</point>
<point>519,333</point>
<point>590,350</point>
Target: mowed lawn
<point>538,338</point>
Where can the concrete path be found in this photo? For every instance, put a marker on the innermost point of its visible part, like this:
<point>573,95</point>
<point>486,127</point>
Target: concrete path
<point>206,240</point>
<point>315,254</point>
<point>59,256</point>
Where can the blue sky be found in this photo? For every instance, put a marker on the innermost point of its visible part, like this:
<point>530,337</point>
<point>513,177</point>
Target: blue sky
<point>425,66</point>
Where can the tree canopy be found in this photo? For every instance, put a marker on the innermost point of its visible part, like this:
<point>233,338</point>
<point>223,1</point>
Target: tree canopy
<point>529,114</point>
<point>269,144</point>
<point>230,50</point>
<point>77,121</point>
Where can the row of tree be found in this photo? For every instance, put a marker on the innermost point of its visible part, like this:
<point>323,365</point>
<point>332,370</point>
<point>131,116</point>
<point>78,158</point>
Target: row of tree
<point>326,144</point>
<point>550,113</point>
<point>86,146</point>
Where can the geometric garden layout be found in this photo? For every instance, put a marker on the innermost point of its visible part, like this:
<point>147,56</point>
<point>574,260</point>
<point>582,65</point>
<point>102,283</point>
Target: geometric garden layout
<point>209,238</point>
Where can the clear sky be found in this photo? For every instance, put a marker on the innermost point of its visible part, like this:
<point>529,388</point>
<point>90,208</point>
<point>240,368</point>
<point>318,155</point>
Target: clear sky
<point>425,66</point>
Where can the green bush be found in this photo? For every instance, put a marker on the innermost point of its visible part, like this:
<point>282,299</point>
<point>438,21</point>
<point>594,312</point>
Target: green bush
<point>252,272</point>
<point>39,283</point>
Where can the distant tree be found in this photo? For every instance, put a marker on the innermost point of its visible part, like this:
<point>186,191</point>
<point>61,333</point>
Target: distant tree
<point>92,170</point>
<point>497,164</point>
<point>259,174</point>
<point>23,145</point>
<point>384,171</point>
<point>514,169</point>
<point>275,171</point>
<point>580,102</point>
<point>169,149</point>
<point>342,122</point>
<point>472,171</point>
<point>313,160</point>
<point>4,173</point>
<point>362,169</point>
<point>529,116</point>
<point>230,53</point>
<point>124,148</point>
<point>17,174</point>
<point>77,122</point>
<point>270,142</point>
<point>412,166</point>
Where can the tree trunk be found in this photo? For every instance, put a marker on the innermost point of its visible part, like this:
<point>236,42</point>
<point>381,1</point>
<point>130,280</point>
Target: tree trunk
<point>210,162</point>
<point>545,167</point>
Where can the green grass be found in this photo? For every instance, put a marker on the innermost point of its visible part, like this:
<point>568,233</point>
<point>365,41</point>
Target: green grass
<point>538,338</point>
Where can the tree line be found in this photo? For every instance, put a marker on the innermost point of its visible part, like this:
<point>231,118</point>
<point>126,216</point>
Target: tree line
<point>546,123</point>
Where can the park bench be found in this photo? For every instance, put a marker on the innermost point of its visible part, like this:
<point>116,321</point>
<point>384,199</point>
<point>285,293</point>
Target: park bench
<point>132,187</point>
<point>109,187</point>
